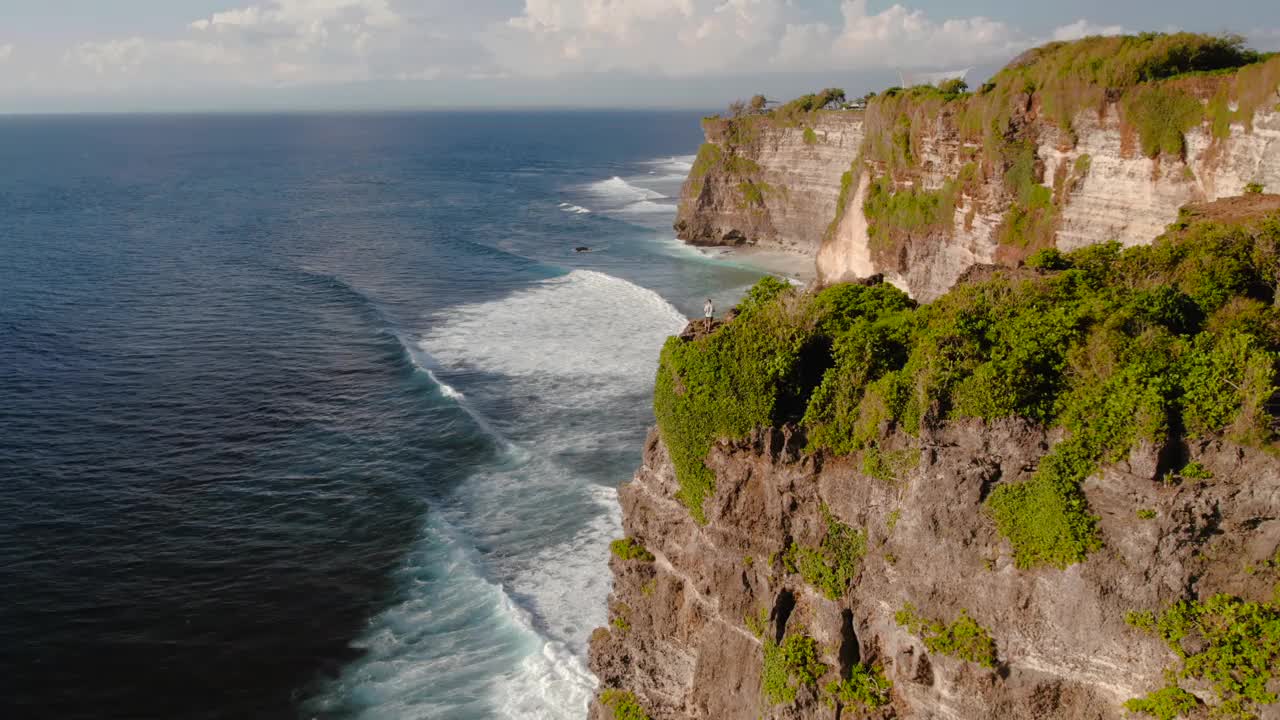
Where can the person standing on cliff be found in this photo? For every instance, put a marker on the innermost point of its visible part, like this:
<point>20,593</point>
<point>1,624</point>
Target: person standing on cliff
<point>709,312</point>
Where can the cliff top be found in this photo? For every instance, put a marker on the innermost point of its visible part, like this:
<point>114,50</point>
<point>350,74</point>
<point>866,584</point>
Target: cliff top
<point>1159,344</point>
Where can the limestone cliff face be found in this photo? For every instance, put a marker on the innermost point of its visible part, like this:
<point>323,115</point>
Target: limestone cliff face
<point>1107,190</point>
<point>684,643</point>
<point>1124,196</point>
<point>790,174</point>
<point>774,183</point>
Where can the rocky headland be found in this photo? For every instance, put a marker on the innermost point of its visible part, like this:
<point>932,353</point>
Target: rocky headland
<point>1018,454</point>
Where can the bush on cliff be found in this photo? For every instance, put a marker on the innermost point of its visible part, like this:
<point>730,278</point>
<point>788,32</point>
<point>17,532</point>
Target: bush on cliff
<point>728,383</point>
<point>964,638</point>
<point>833,565</point>
<point>1230,643</point>
<point>1180,338</point>
<point>790,666</point>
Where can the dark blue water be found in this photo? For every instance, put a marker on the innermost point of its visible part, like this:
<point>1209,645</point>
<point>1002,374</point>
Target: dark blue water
<point>322,416</point>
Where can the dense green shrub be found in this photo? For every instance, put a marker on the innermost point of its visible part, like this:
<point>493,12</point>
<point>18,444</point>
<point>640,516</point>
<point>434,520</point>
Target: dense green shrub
<point>623,704</point>
<point>866,689</point>
<point>628,549</point>
<point>963,638</point>
<point>810,137</point>
<point>1164,704</point>
<point>1114,345</point>
<point>1236,651</point>
<point>889,465</point>
<point>1254,188</point>
<point>890,211</point>
<point>1162,116</point>
<point>790,666</point>
<point>832,566</point>
<point>1048,259</point>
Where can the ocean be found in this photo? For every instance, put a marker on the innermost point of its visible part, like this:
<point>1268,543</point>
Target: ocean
<point>323,416</point>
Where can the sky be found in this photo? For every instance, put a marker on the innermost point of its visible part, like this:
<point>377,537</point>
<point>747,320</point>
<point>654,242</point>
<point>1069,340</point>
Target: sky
<point>182,55</point>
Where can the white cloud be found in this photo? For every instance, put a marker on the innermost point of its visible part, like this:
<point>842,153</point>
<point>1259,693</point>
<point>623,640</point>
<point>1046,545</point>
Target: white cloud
<point>899,37</point>
<point>687,37</point>
<point>111,56</point>
<point>276,43</point>
<point>1084,28</point>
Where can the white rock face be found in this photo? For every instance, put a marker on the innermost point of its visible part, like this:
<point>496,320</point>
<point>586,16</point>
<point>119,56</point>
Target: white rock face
<point>1132,199</point>
<point>1123,196</point>
<point>799,176</point>
<point>1105,190</point>
<point>807,176</point>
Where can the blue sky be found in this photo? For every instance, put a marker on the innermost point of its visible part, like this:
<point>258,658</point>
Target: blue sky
<point>86,55</point>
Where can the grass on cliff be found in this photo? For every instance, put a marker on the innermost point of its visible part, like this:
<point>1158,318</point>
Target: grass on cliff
<point>833,565</point>
<point>629,549</point>
<point>1160,82</point>
<point>1229,643</point>
<point>865,690</point>
<point>624,705</point>
<point>790,666</point>
<point>1177,339</point>
<point>963,638</point>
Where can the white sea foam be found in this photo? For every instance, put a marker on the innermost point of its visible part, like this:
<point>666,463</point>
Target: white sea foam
<point>585,323</point>
<point>445,388</point>
<point>503,633</point>
<point>677,164</point>
<point>648,206</point>
<point>575,209</point>
<point>448,649</point>
<point>620,192</point>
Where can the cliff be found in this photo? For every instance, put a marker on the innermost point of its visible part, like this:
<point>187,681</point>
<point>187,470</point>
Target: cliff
<point>1072,144</point>
<point>773,184</point>
<point>1050,493</point>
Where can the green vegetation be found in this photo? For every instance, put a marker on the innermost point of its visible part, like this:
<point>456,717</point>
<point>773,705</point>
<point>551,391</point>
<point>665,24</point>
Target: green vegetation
<point>1253,189</point>
<point>1164,704</point>
<point>1236,650</point>
<point>889,466</point>
<point>792,112</point>
<point>1195,471</point>
<point>849,181</point>
<point>628,549</point>
<point>890,213</point>
<point>1179,339</point>
<point>759,624</point>
<point>1159,81</point>
<point>790,666</point>
<point>1032,218</point>
<point>963,638</point>
<point>709,157</point>
<point>832,566</point>
<point>866,688</point>
<point>810,137</point>
<point>892,522</point>
<point>743,376</point>
<point>622,624</point>
<point>1162,116</point>
<point>1048,259</point>
<point>1146,514</point>
<point>623,704</point>
<point>648,588</point>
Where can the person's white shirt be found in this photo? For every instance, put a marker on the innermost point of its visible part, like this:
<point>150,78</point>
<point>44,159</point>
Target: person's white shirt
<point>708,309</point>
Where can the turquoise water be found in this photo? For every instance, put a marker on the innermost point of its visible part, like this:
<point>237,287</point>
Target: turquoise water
<point>322,416</point>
